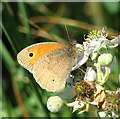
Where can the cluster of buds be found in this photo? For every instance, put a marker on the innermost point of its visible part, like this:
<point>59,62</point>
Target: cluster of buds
<point>84,91</point>
<point>90,90</point>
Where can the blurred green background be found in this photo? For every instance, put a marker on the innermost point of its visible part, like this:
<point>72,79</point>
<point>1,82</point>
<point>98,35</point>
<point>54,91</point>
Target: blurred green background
<point>31,22</point>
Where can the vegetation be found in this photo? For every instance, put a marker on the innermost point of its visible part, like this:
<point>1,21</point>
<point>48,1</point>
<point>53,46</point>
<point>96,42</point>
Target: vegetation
<point>26,23</point>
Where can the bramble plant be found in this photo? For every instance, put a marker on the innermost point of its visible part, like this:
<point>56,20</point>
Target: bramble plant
<point>89,90</point>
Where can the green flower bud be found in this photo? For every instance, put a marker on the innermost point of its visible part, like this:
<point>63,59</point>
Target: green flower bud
<point>105,59</point>
<point>54,103</point>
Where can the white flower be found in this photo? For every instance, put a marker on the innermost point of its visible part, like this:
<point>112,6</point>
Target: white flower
<point>90,74</point>
<point>114,42</point>
<point>90,47</point>
<point>94,45</point>
<point>78,105</point>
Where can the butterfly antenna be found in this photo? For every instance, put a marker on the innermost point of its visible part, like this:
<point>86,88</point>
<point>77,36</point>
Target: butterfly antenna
<point>67,33</point>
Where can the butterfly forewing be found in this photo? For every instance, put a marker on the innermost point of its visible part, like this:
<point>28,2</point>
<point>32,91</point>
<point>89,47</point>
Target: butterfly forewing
<point>52,69</point>
<point>29,56</point>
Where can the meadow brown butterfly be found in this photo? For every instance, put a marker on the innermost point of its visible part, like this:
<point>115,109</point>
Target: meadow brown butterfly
<point>50,63</point>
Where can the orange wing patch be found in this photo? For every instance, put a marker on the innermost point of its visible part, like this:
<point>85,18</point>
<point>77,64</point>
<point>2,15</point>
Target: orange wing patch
<point>30,55</point>
<point>41,50</point>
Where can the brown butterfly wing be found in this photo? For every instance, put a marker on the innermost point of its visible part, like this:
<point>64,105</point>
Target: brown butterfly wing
<point>38,50</point>
<point>52,69</point>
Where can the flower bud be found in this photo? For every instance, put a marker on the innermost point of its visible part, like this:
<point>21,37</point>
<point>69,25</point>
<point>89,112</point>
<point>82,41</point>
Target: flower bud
<point>54,103</point>
<point>90,74</point>
<point>105,59</point>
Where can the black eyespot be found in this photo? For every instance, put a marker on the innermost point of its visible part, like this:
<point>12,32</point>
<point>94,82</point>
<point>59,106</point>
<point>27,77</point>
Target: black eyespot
<point>31,54</point>
<point>53,80</point>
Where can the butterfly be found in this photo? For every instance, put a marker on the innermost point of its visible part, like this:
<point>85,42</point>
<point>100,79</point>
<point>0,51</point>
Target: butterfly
<point>50,63</point>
